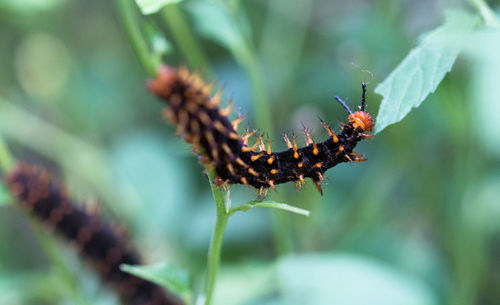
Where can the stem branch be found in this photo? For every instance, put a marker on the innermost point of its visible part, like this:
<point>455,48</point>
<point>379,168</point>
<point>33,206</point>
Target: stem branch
<point>489,16</point>
<point>128,15</point>
<point>184,37</point>
<point>213,258</point>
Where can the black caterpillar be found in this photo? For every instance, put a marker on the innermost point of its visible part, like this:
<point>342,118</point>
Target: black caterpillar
<point>201,122</point>
<point>101,243</point>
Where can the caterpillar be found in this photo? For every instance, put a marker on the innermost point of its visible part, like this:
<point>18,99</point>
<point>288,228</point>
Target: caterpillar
<point>101,243</point>
<point>200,121</point>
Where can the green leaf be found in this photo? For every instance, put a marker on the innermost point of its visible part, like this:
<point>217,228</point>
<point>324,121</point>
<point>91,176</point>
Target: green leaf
<point>422,70</point>
<point>164,274</point>
<point>152,6</point>
<point>269,204</point>
<point>29,6</point>
<point>5,197</point>
<point>347,279</point>
<point>215,21</point>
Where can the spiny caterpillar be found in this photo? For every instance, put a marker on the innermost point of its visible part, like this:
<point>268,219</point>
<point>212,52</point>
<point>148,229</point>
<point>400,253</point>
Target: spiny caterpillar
<point>199,119</point>
<point>101,243</point>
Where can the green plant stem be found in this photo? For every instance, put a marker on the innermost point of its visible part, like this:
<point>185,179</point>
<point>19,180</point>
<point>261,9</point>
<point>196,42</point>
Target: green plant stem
<point>489,16</point>
<point>184,38</point>
<point>128,14</point>
<point>213,258</point>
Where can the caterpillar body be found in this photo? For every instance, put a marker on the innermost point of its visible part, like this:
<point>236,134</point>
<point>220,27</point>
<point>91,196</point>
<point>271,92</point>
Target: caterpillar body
<point>102,244</point>
<point>202,123</point>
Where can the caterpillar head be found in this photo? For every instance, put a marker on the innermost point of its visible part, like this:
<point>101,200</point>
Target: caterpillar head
<point>359,119</point>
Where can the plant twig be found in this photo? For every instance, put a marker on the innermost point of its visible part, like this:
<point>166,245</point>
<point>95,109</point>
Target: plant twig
<point>128,14</point>
<point>184,37</point>
<point>489,16</point>
<point>213,258</point>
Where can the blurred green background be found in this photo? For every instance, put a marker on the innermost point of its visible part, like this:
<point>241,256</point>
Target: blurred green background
<point>415,224</point>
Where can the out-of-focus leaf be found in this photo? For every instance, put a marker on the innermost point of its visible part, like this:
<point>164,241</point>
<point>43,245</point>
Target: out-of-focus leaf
<point>29,6</point>
<point>5,198</point>
<point>148,7</point>
<point>269,204</point>
<point>244,282</point>
<point>165,274</point>
<point>216,22</point>
<point>483,48</point>
<point>344,279</point>
<point>153,175</point>
<point>159,44</point>
<point>422,70</point>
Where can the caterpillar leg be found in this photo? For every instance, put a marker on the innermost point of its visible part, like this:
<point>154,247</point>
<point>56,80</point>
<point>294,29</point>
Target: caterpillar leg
<point>357,157</point>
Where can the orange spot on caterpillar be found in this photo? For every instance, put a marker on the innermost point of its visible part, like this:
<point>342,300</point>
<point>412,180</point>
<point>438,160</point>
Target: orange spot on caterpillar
<point>287,140</point>
<point>315,150</point>
<point>358,157</point>
<point>318,186</point>
<point>226,111</point>
<point>268,146</point>
<point>227,150</point>
<point>300,164</point>
<point>220,127</point>
<point>247,135</point>
<point>168,114</point>
<point>244,180</point>
<point>215,100</point>
<point>255,157</point>
<point>237,121</point>
<point>330,132</point>
<point>241,162</point>
<point>318,165</point>
<point>182,123</point>
<point>260,192</point>
<point>260,143</point>
<point>215,154</point>
<point>192,107</point>
<point>234,136</point>
<point>253,172</point>
<point>309,140</point>
<point>271,184</point>
<point>204,118</point>
<point>274,171</point>
<point>270,160</point>
<point>230,168</point>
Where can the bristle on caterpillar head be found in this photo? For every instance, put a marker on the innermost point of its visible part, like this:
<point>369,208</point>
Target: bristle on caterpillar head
<point>105,246</point>
<point>235,160</point>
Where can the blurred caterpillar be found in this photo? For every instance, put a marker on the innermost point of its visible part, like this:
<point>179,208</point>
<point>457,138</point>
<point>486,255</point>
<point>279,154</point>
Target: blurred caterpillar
<point>99,242</point>
<point>202,123</point>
